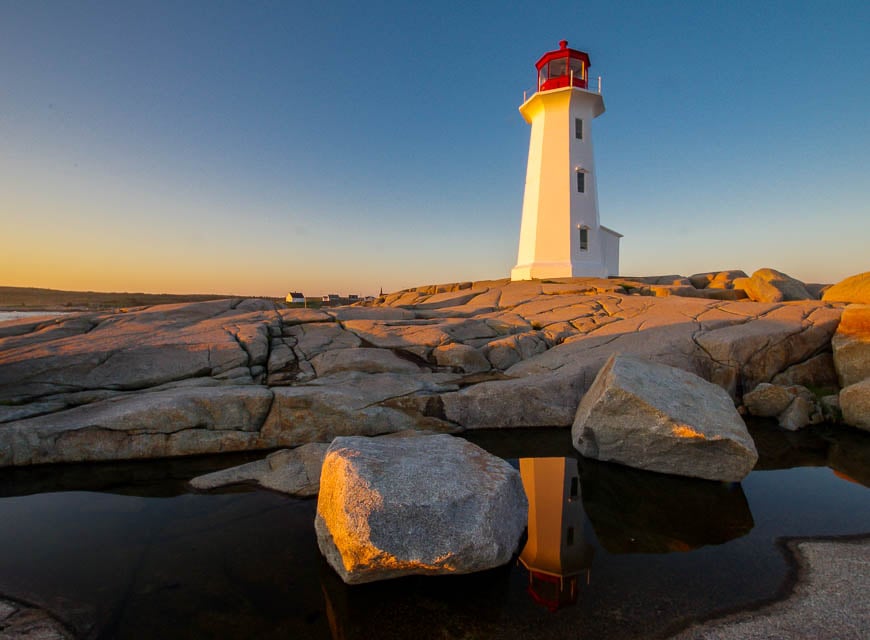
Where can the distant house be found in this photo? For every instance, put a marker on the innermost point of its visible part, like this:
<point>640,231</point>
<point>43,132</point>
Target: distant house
<point>352,297</point>
<point>369,299</point>
<point>295,297</point>
<point>332,299</point>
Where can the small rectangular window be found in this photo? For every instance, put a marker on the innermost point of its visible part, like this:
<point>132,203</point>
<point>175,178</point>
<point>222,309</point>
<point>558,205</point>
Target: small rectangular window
<point>569,536</point>
<point>584,239</point>
<point>575,487</point>
<point>578,128</point>
<point>581,182</point>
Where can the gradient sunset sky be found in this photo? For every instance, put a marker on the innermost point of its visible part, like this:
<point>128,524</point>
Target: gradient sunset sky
<point>262,147</point>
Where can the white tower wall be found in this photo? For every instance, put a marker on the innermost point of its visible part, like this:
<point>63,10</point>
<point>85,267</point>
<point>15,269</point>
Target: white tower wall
<point>554,211</point>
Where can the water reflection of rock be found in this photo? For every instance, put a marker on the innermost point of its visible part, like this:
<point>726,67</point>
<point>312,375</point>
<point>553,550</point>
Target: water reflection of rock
<point>634,511</point>
<point>151,478</point>
<point>846,451</point>
<point>555,553</point>
<point>463,606</point>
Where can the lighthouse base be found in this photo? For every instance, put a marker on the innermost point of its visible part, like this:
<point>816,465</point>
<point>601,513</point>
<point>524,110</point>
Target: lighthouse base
<point>541,270</point>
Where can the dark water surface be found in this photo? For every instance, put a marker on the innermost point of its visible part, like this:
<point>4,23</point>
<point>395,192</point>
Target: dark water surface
<point>125,551</point>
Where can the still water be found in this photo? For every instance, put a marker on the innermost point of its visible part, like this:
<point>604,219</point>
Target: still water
<point>126,551</point>
<point>26,315</point>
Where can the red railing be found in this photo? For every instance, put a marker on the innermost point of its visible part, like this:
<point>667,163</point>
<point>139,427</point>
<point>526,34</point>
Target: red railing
<point>592,84</point>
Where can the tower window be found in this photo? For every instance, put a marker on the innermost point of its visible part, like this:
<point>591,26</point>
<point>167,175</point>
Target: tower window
<point>581,182</point>
<point>578,128</point>
<point>584,238</point>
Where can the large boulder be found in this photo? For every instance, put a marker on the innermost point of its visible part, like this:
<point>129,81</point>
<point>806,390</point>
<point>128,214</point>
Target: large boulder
<point>851,344</point>
<point>855,404</point>
<point>770,285</point>
<point>655,417</point>
<point>853,289</point>
<point>420,505</point>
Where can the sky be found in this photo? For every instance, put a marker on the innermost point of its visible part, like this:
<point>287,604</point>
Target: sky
<point>256,148</point>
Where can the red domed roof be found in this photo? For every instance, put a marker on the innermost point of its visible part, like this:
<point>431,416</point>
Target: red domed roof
<point>563,67</point>
<point>563,52</point>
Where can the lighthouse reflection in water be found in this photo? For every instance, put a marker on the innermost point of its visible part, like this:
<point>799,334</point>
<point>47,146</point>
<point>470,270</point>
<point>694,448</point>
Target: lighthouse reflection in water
<point>580,506</point>
<point>556,553</point>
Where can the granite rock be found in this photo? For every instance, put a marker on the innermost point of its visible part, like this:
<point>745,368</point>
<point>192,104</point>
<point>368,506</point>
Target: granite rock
<point>654,417</point>
<point>425,505</point>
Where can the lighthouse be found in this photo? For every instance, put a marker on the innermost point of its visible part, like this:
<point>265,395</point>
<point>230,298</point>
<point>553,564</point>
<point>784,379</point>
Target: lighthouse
<point>560,233</point>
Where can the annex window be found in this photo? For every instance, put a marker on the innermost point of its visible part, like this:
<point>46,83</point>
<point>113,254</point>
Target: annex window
<point>569,537</point>
<point>578,128</point>
<point>581,182</point>
<point>584,238</point>
<point>575,488</point>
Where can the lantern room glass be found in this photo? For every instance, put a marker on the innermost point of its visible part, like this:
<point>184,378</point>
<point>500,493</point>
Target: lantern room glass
<point>562,71</point>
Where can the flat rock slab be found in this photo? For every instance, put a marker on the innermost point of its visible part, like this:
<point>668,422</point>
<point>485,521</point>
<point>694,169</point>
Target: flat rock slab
<point>295,472</point>
<point>391,507</point>
<point>655,417</point>
<point>829,600</point>
<point>172,422</point>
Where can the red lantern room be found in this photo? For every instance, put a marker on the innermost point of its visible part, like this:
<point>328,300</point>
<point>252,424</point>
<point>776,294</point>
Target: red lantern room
<point>562,68</point>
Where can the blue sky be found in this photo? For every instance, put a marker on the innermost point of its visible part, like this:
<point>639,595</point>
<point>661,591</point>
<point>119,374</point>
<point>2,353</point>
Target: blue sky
<point>260,147</point>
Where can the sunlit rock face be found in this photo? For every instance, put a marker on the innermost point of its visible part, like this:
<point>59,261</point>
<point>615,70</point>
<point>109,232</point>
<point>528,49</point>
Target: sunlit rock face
<point>655,417</point>
<point>851,345</point>
<point>853,289</point>
<point>391,507</point>
<point>770,285</point>
<point>236,374</point>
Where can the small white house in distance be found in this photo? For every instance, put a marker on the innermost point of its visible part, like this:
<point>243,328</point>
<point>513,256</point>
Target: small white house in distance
<point>295,297</point>
<point>332,299</point>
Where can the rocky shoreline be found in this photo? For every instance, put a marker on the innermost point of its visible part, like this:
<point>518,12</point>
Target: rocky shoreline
<point>825,600</point>
<point>231,375</point>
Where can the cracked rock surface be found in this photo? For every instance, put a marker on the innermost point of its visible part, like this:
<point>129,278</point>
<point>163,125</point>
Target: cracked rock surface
<point>237,374</point>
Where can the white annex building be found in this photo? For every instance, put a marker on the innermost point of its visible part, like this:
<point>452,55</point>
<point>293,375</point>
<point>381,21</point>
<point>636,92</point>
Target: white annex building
<point>560,235</point>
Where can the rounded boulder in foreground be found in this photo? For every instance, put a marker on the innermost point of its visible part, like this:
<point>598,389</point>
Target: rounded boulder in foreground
<point>651,416</point>
<point>391,507</point>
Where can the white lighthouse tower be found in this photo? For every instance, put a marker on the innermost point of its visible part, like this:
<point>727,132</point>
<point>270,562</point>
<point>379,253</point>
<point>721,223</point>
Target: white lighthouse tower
<point>560,234</point>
